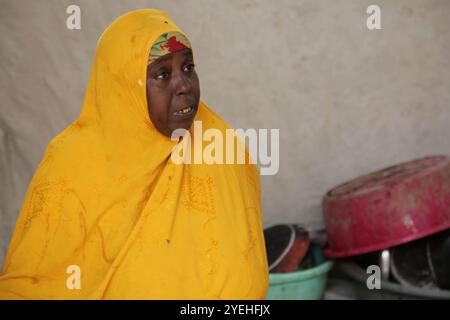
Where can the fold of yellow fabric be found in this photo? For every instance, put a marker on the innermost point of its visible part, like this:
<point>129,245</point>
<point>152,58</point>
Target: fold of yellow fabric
<point>107,198</point>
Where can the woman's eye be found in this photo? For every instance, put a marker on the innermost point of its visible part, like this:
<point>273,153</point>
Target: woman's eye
<point>162,75</point>
<point>189,67</point>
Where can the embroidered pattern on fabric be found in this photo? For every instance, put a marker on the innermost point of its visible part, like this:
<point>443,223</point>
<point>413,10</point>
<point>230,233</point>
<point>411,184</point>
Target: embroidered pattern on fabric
<point>198,193</point>
<point>41,196</point>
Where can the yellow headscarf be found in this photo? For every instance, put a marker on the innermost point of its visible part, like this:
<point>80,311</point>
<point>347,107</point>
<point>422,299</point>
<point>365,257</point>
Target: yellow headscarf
<point>108,199</point>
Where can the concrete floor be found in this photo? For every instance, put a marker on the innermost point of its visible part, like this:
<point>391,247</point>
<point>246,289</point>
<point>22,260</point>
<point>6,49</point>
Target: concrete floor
<point>341,287</point>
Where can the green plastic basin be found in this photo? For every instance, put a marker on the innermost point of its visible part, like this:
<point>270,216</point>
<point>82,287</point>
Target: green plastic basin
<point>306,284</point>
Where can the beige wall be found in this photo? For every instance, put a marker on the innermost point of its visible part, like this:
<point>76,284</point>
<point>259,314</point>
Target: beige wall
<point>346,100</point>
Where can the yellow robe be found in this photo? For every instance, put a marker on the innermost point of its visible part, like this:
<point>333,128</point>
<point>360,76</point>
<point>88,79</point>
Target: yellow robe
<point>107,199</point>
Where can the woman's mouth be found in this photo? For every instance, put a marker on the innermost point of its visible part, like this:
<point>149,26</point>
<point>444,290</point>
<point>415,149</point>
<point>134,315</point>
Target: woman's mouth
<point>184,111</point>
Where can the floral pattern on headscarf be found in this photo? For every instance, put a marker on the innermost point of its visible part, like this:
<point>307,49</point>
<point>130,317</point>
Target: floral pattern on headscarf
<point>169,42</point>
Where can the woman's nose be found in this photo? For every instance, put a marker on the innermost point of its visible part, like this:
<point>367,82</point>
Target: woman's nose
<point>182,84</point>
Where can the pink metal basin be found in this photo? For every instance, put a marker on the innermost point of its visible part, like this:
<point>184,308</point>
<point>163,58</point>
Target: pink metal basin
<point>388,207</point>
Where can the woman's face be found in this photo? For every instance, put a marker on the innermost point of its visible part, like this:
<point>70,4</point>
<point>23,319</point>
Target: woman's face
<point>173,91</point>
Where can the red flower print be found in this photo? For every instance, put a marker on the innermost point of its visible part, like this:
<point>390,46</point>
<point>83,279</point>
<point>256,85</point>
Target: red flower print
<point>173,45</point>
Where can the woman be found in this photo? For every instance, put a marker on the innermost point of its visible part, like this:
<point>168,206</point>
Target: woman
<point>109,215</point>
